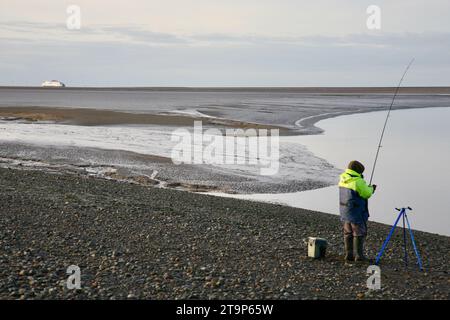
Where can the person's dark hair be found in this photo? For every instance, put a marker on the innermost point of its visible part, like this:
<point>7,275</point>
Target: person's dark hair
<point>356,166</point>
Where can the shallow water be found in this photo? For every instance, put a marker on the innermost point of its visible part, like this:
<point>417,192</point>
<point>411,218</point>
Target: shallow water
<point>412,169</point>
<point>268,107</point>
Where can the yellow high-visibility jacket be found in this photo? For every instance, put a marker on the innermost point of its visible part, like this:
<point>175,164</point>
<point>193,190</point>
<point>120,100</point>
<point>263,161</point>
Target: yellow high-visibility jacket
<point>353,195</point>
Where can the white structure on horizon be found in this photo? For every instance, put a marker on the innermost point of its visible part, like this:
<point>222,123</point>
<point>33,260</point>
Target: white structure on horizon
<point>53,83</point>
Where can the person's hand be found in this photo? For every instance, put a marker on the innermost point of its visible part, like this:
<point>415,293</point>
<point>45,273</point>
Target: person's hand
<point>374,186</point>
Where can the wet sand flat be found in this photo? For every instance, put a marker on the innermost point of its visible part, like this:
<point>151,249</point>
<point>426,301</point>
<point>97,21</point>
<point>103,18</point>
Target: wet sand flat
<point>93,117</point>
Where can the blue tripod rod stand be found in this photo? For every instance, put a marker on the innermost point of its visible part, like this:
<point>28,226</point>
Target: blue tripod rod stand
<point>404,217</point>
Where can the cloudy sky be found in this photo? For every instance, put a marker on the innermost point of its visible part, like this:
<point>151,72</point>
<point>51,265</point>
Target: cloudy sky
<point>224,43</point>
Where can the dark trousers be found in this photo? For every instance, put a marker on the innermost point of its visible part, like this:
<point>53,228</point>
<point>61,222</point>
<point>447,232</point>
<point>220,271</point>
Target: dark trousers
<point>355,229</point>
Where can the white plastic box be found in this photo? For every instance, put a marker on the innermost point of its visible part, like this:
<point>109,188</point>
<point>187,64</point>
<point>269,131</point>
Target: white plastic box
<point>317,247</point>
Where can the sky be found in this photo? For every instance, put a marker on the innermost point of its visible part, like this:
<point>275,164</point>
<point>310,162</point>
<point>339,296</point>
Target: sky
<point>224,43</point>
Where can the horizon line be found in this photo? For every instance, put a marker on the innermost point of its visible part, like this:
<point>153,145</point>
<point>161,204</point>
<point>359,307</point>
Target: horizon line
<point>306,89</point>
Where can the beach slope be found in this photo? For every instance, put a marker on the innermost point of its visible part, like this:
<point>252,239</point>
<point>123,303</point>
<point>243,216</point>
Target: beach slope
<point>132,241</point>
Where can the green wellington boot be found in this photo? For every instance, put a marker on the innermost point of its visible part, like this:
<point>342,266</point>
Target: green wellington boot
<point>348,247</point>
<point>358,244</point>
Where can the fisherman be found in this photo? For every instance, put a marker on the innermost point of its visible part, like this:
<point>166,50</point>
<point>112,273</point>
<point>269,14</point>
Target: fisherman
<point>353,195</point>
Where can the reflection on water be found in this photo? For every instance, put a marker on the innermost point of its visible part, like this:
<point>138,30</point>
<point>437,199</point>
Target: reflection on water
<point>412,169</point>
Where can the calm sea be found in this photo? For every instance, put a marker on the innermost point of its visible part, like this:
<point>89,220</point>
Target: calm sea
<point>412,169</point>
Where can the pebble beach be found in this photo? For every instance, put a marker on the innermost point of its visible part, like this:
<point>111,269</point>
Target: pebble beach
<point>138,242</point>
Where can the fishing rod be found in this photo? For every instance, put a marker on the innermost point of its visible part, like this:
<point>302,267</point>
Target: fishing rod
<point>387,118</point>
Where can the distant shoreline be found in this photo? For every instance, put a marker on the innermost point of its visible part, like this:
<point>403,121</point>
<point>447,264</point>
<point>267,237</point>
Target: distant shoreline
<point>307,90</point>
